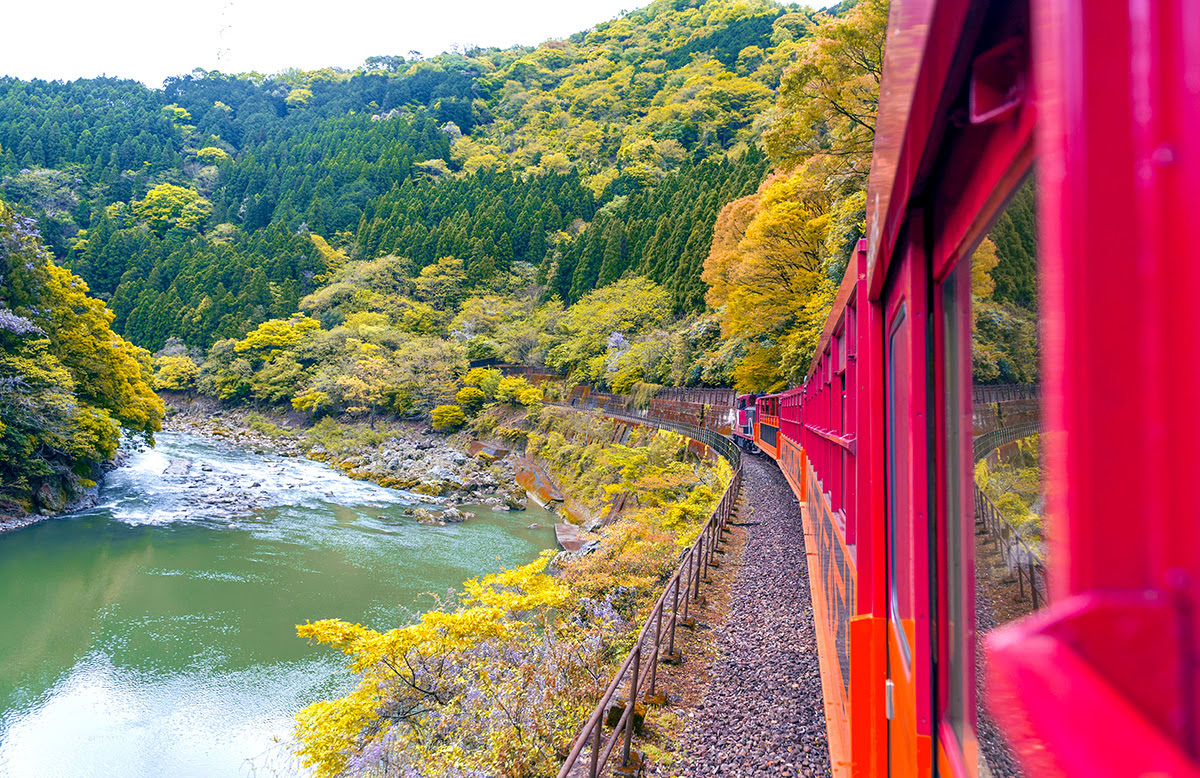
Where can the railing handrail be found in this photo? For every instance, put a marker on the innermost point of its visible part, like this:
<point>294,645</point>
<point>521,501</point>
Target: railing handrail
<point>989,441</point>
<point>1032,567</point>
<point>694,564</point>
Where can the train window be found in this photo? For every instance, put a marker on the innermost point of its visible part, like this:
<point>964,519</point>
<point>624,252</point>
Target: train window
<point>958,582</point>
<point>899,532</point>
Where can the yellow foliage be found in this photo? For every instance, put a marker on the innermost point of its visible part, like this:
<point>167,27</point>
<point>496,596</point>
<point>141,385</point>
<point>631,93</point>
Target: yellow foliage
<point>276,336</point>
<point>334,259</point>
<point>176,374</point>
<point>983,262</point>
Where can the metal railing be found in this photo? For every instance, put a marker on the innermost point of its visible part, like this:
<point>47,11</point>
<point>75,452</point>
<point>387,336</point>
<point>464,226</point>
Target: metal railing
<point>1018,555</point>
<point>638,675</point>
<point>984,394</point>
<point>714,440</point>
<point>990,441</point>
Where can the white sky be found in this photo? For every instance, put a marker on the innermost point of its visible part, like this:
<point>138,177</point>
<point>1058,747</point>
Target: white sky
<point>152,39</point>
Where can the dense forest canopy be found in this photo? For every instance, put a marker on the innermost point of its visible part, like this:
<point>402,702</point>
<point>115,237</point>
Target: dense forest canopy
<point>490,156</point>
<point>717,149</point>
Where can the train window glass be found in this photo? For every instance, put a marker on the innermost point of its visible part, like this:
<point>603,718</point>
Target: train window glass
<point>959,670</point>
<point>899,531</point>
<point>1006,412</point>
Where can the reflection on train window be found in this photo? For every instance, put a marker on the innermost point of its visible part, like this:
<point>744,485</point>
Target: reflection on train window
<point>959,528</point>
<point>899,533</point>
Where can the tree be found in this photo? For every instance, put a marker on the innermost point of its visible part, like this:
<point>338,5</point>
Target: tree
<point>829,99</point>
<point>175,373</point>
<point>166,206</point>
<point>777,256</point>
<point>68,384</point>
<point>463,670</point>
<point>470,399</point>
<point>273,337</point>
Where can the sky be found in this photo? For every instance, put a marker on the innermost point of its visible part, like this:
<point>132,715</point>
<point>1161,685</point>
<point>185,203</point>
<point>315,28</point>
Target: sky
<point>149,40</point>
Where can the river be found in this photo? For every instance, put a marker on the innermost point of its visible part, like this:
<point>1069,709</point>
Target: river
<point>154,635</point>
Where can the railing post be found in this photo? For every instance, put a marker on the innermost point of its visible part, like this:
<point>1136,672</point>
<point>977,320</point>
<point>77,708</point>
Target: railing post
<point>597,733</point>
<point>687,593</point>
<point>654,656</point>
<point>674,618</point>
<point>632,712</point>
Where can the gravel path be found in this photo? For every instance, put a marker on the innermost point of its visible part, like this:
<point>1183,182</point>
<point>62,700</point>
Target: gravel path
<point>762,713</point>
<point>996,602</point>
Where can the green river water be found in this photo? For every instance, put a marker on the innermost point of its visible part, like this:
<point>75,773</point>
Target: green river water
<point>154,635</point>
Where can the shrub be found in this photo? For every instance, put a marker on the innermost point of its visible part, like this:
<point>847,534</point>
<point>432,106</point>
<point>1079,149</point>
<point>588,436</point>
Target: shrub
<point>509,390</point>
<point>486,378</point>
<point>470,399</point>
<point>312,401</point>
<point>530,397</point>
<point>447,418</point>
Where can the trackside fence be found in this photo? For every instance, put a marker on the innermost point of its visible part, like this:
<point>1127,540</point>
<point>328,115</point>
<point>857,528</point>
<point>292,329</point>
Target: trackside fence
<point>1018,555</point>
<point>990,441</point>
<point>607,736</point>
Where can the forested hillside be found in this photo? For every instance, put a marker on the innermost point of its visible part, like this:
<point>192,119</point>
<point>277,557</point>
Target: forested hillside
<point>712,154</point>
<point>492,156</point>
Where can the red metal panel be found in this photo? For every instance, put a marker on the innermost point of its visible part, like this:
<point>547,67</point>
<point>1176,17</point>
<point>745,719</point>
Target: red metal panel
<point>868,641</point>
<point>1119,97</point>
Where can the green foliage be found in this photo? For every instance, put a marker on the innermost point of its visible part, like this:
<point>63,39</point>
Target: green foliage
<point>485,378</point>
<point>68,385</point>
<point>447,418</point>
<point>659,110</point>
<point>602,321</point>
<point>489,671</point>
<point>510,388</point>
<point>777,255</point>
<point>272,338</point>
<point>1005,344</point>
<point>1016,486</point>
<point>167,206</point>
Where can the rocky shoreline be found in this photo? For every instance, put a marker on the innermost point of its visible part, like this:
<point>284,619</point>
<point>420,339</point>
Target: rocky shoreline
<point>52,501</point>
<point>408,458</point>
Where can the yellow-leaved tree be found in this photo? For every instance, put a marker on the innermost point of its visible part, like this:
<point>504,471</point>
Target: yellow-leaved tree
<point>490,683</point>
<point>777,255</point>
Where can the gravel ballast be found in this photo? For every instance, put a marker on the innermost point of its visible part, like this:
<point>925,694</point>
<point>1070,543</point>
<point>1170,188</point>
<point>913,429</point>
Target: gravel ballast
<point>762,712</point>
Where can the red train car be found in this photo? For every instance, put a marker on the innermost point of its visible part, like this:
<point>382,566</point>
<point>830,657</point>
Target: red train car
<point>743,422</point>
<point>1105,97</point>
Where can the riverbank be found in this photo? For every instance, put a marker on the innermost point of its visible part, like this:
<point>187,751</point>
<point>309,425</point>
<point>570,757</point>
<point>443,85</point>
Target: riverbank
<point>393,454</point>
<point>73,493</point>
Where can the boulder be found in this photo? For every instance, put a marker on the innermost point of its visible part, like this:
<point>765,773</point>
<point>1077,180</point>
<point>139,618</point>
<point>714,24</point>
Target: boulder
<point>516,499</point>
<point>456,516</point>
<point>50,498</point>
